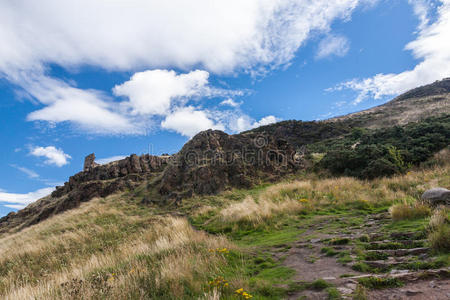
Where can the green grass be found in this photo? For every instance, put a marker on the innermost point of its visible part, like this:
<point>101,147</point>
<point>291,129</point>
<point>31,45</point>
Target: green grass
<point>328,251</point>
<point>380,282</point>
<point>319,284</point>
<point>375,256</point>
<point>339,241</point>
<point>333,293</point>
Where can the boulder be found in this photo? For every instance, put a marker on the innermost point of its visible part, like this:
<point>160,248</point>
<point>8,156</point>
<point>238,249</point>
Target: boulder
<point>436,196</point>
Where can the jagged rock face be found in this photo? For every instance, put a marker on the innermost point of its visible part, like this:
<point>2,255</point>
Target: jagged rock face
<point>89,162</point>
<point>214,160</point>
<point>133,164</point>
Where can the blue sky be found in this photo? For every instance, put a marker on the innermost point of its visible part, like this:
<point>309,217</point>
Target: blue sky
<point>125,77</point>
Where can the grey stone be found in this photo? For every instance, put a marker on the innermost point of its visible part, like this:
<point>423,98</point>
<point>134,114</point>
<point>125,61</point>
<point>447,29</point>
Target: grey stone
<point>412,292</point>
<point>436,196</point>
<point>345,291</point>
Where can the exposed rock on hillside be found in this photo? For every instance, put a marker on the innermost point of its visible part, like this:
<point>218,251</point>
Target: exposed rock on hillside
<point>89,162</point>
<point>133,166</point>
<point>214,160</point>
<point>301,133</point>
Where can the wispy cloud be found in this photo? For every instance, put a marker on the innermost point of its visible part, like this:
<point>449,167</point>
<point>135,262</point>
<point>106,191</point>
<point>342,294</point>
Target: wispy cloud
<point>30,173</point>
<point>333,45</point>
<point>19,201</point>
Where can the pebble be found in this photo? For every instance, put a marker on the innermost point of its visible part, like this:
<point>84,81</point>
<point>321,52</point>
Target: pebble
<point>399,271</point>
<point>329,278</point>
<point>412,292</point>
<point>345,291</point>
<point>351,286</point>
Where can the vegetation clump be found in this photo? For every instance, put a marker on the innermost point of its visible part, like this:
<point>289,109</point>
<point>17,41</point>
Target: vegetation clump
<point>380,282</point>
<point>409,212</point>
<point>439,231</point>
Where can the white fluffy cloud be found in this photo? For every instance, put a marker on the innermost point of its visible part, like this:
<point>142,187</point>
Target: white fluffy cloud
<point>333,45</point>
<point>154,92</point>
<point>53,155</point>
<point>19,201</point>
<point>188,121</point>
<point>431,47</point>
<point>90,110</point>
<point>219,37</point>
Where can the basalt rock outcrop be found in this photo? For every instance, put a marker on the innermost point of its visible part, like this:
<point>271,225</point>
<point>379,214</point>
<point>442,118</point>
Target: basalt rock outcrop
<point>89,162</point>
<point>213,161</point>
<point>134,168</point>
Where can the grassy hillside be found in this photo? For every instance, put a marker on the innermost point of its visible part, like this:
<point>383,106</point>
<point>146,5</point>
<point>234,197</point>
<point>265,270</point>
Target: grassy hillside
<point>240,244</point>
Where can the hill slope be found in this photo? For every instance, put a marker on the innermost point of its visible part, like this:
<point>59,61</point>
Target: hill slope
<point>210,223</point>
<point>412,106</point>
<point>317,238</point>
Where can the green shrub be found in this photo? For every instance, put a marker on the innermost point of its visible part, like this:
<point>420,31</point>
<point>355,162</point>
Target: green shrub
<point>380,282</point>
<point>319,284</point>
<point>329,251</point>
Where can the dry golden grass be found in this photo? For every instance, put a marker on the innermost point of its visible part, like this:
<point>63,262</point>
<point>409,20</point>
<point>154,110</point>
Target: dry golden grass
<point>438,219</point>
<point>439,227</point>
<point>256,212</point>
<point>409,212</point>
<point>93,252</point>
<point>289,198</point>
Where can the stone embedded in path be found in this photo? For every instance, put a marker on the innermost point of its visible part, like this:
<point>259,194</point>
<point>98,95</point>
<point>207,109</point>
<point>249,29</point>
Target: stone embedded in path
<point>402,252</point>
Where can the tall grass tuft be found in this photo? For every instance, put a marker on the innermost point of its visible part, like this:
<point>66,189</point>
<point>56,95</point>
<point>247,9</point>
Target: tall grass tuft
<point>409,212</point>
<point>439,227</point>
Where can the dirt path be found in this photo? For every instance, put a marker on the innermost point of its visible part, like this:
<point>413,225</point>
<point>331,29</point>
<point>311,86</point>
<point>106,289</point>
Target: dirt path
<point>335,253</point>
